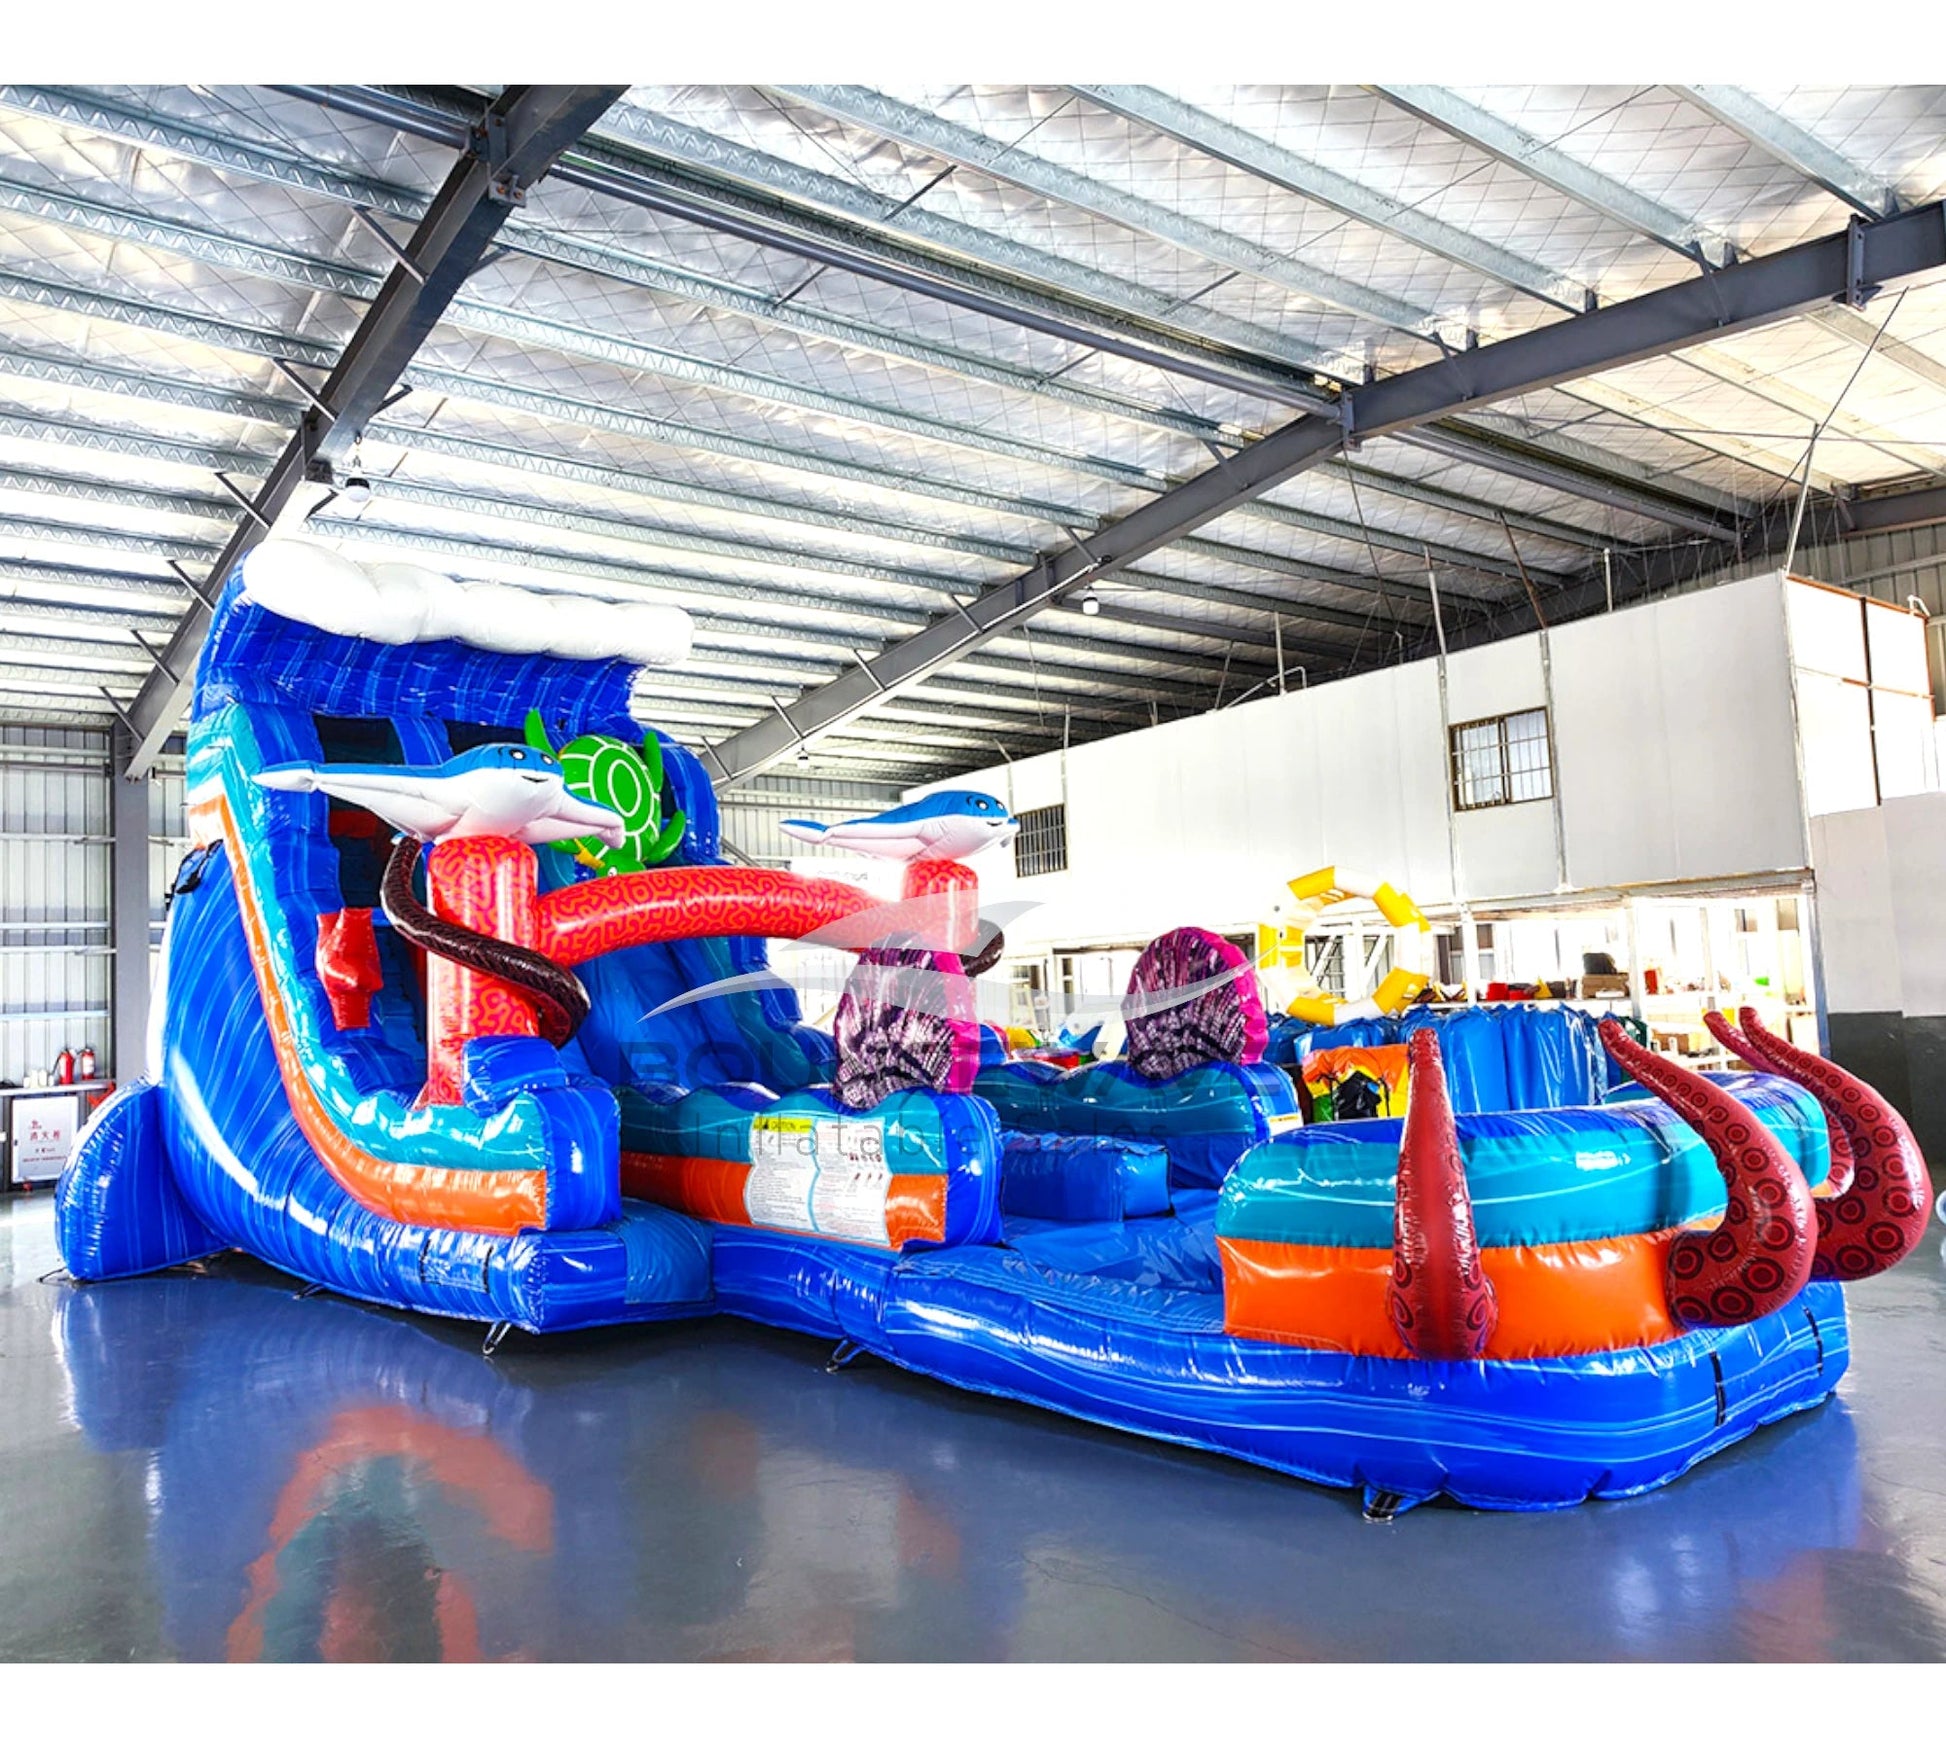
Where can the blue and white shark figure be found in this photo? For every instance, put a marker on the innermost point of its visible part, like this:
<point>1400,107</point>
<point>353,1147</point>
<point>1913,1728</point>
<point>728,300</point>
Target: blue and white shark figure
<point>500,790</point>
<point>949,824</point>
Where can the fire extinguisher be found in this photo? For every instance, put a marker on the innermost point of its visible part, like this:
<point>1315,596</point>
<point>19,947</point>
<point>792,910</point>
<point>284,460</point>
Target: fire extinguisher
<point>64,1068</point>
<point>87,1064</point>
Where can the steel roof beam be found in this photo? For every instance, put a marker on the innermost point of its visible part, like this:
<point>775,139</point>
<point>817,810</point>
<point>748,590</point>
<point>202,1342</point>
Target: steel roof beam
<point>265,344</point>
<point>1390,541</point>
<point>361,529</point>
<point>36,581</point>
<point>362,526</point>
<point>1426,492</point>
<point>1007,606</point>
<point>641,174</point>
<point>611,261</point>
<point>84,621</point>
<point>637,532</point>
<point>288,268</point>
<point>1881,514</point>
<point>690,686</point>
<point>1524,459</point>
<point>126,121</point>
<point>524,557</point>
<point>951,689</point>
<point>1782,139</point>
<point>29,365</point>
<point>1557,462</point>
<point>1499,138</point>
<point>1864,334</point>
<point>1404,589</point>
<point>1729,301</point>
<point>127,541</point>
<point>1217,138</point>
<point>602,417</point>
<point>521,134</point>
<point>1261,157</point>
<point>94,436</point>
<point>655,162</point>
<point>1055,676</point>
<point>700,154</point>
<point>873,111</point>
<point>479,316</point>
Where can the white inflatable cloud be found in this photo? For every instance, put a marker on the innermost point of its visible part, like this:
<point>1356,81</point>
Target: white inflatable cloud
<point>407,604</point>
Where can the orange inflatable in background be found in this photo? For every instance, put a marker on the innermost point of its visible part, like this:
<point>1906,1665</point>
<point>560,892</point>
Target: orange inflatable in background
<point>1325,1075</point>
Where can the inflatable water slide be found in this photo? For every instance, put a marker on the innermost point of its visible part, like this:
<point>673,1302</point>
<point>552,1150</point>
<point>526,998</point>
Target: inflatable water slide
<point>463,1012</point>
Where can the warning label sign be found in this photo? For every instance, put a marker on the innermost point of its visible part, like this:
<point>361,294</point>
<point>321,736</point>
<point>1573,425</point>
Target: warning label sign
<point>812,1174</point>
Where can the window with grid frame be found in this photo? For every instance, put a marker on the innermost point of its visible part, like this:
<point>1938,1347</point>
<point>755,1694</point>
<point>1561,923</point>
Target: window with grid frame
<point>1501,760</point>
<point>1041,845</point>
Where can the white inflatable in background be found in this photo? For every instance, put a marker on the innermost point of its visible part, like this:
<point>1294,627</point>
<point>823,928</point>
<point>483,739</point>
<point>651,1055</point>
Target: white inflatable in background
<point>408,604</point>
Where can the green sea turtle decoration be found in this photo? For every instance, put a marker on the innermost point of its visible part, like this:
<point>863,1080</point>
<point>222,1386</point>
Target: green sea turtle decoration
<point>607,770</point>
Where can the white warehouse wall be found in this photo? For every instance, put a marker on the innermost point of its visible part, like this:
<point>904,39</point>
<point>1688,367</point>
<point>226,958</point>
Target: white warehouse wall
<point>1882,930</point>
<point>1673,729</point>
<point>1675,760</point>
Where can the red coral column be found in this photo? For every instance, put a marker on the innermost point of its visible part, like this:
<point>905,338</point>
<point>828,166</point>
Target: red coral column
<point>487,885</point>
<point>1441,1304</point>
<point>947,913</point>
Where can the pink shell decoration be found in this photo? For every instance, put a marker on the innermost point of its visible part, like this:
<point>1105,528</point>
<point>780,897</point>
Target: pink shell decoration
<point>1220,1020</point>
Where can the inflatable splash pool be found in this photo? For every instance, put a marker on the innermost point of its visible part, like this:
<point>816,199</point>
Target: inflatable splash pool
<point>453,1018</point>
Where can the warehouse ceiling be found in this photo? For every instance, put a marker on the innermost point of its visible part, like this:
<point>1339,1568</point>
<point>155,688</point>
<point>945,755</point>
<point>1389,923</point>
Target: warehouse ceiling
<point>823,364</point>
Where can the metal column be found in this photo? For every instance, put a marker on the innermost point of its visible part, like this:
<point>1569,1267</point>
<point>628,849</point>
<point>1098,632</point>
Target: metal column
<point>129,888</point>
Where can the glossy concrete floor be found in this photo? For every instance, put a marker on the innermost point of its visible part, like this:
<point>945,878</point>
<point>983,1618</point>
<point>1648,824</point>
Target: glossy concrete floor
<point>202,1467</point>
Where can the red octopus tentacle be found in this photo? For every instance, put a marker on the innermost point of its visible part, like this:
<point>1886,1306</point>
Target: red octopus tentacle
<point>1759,1256</point>
<point>1882,1215</point>
<point>1441,1304</point>
<point>1839,1179</point>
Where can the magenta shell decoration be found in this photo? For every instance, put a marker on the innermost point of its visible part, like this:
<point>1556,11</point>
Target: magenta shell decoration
<point>906,1020</point>
<point>1220,1020</point>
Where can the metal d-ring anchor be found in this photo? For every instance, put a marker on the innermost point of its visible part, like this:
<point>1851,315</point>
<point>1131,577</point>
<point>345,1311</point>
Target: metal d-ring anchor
<point>496,1334</point>
<point>1382,1507</point>
<point>843,1356</point>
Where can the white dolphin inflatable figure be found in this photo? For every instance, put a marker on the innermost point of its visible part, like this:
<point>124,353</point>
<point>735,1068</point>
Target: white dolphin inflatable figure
<point>948,824</point>
<point>499,790</point>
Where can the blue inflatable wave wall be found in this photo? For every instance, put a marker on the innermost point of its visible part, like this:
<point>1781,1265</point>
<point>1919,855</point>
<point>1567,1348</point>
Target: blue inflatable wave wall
<point>1501,1057</point>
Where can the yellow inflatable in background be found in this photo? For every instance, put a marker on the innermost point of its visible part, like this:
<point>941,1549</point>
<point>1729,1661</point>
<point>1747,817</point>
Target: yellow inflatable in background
<point>1282,946</point>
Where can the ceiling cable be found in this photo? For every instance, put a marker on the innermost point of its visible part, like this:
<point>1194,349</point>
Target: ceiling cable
<point>1817,431</point>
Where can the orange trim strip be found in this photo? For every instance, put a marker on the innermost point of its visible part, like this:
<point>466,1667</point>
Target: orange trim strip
<point>1567,1298</point>
<point>701,1185</point>
<point>697,1185</point>
<point>476,1199</point>
<point>205,820</point>
<point>915,1208</point>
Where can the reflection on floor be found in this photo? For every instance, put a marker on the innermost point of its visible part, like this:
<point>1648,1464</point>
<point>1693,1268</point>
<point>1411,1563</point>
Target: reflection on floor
<point>200,1466</point>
